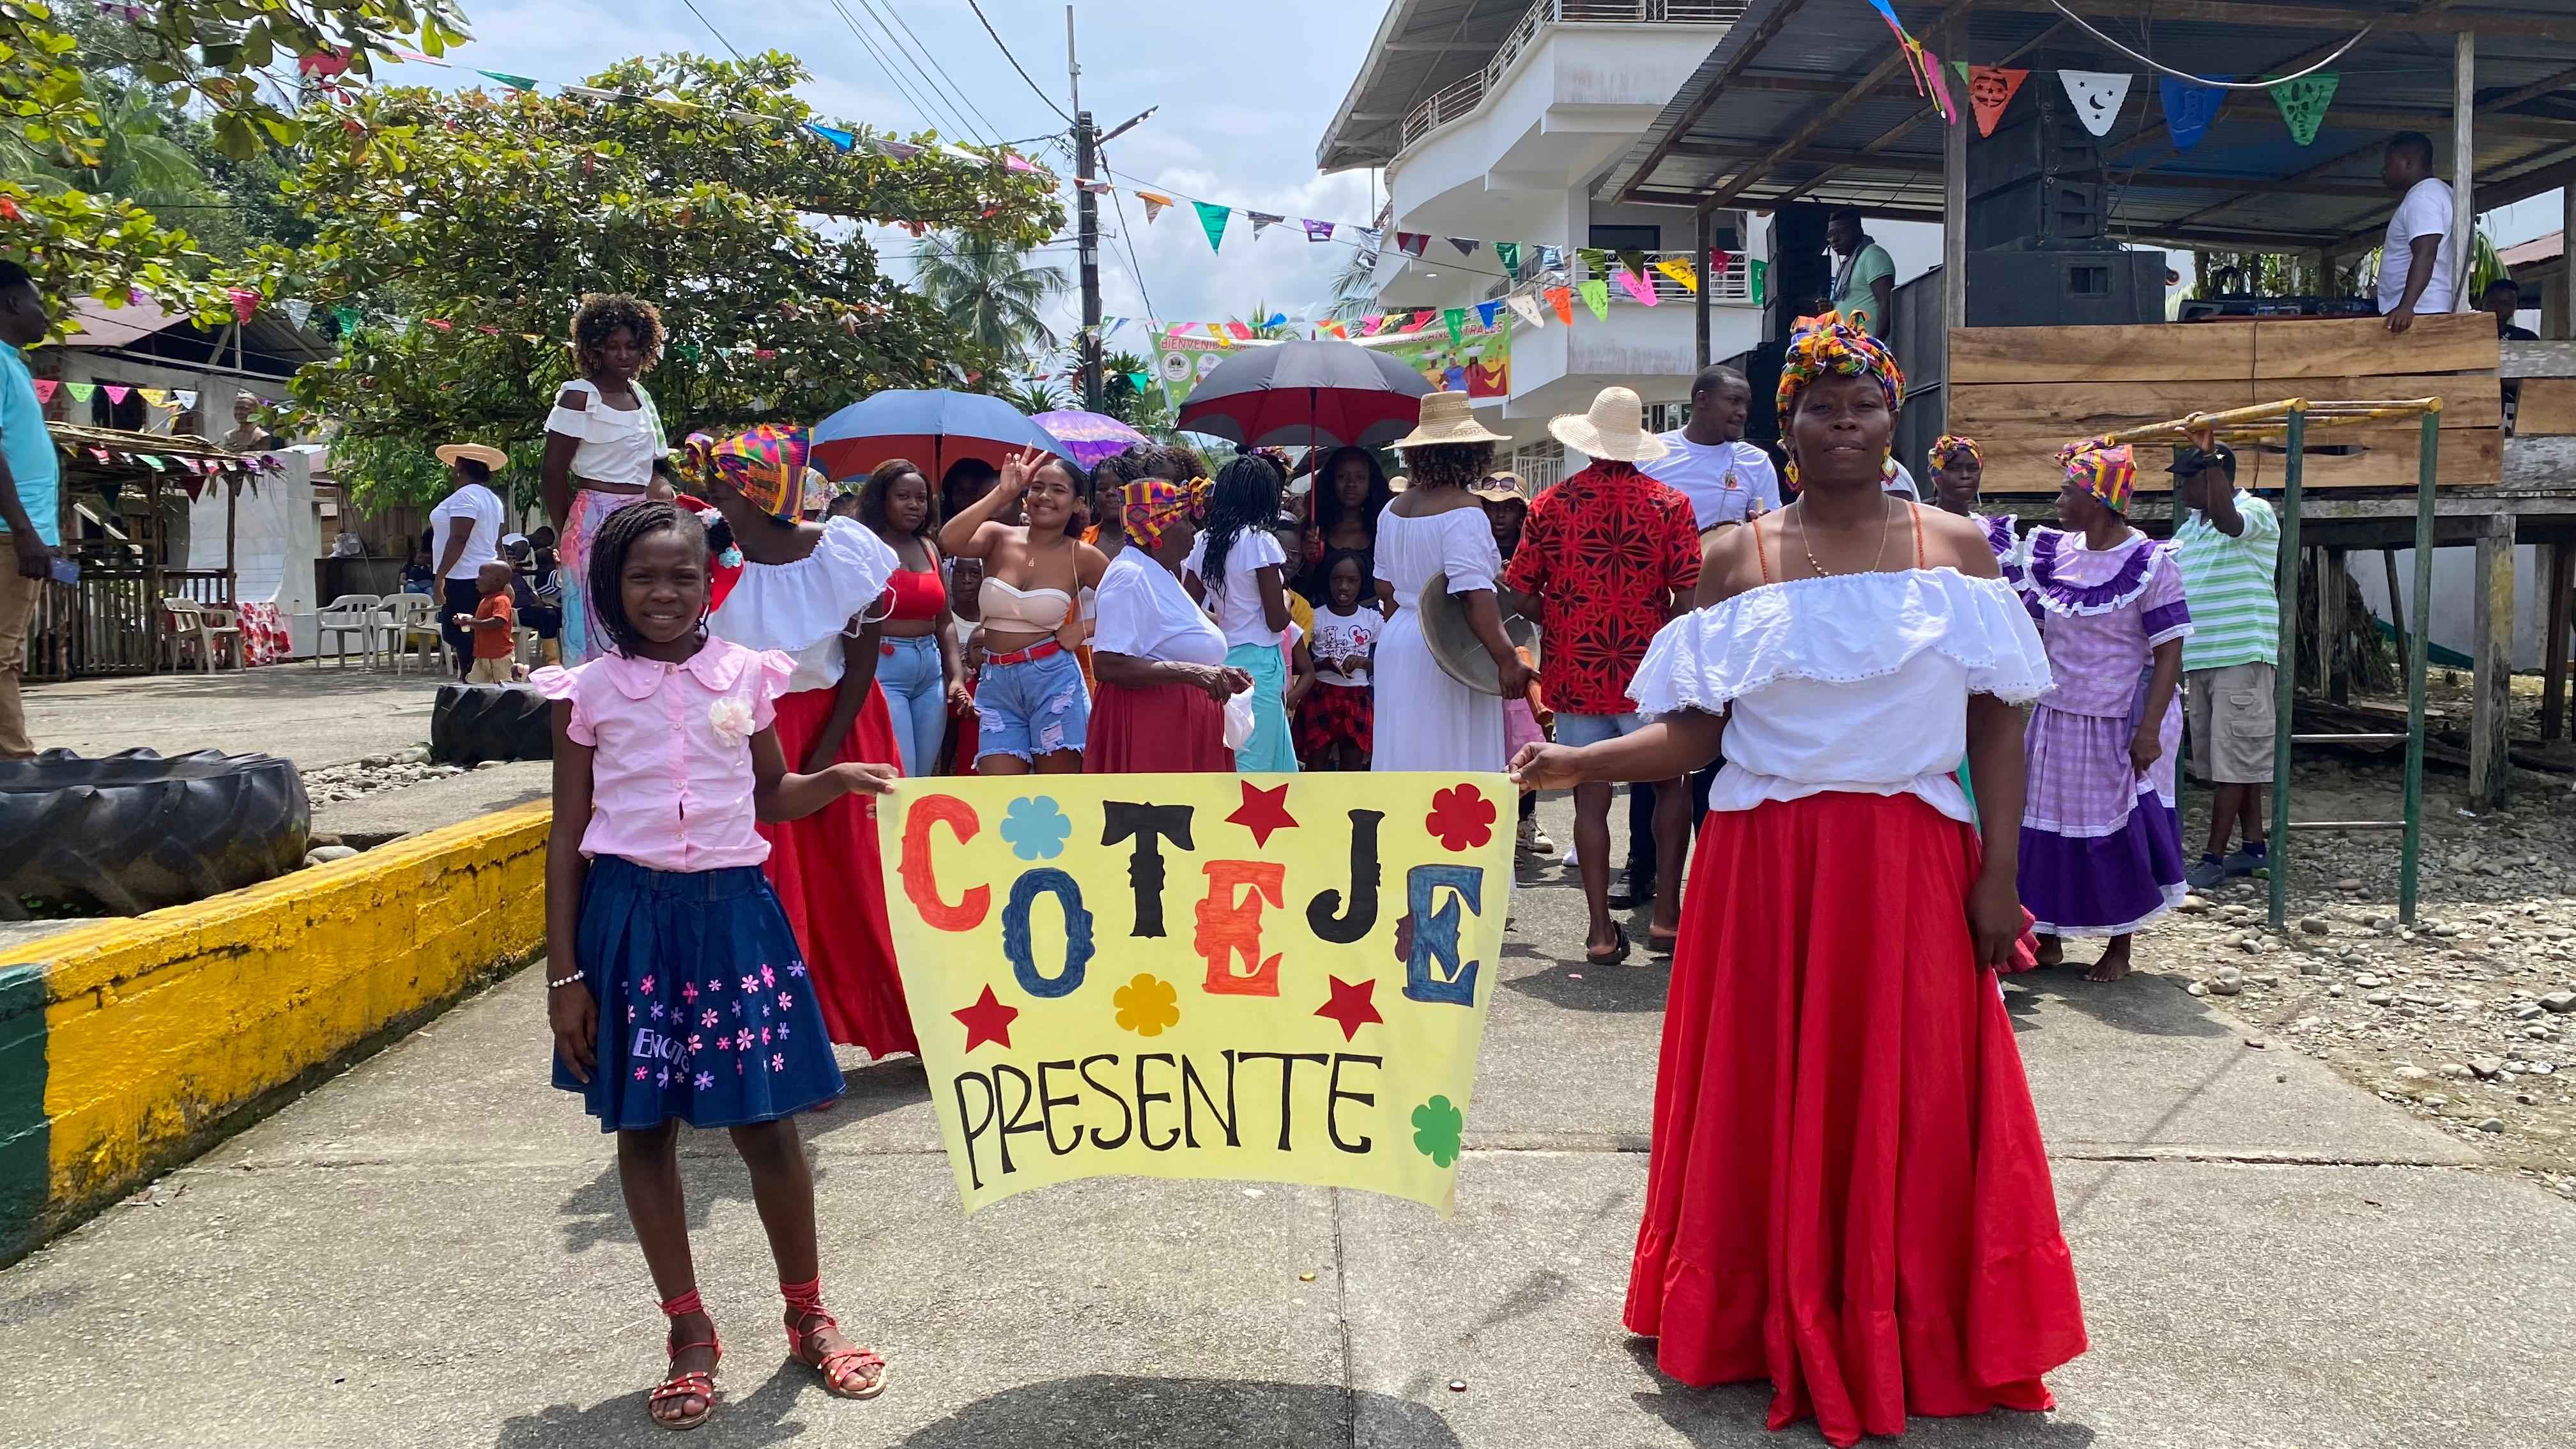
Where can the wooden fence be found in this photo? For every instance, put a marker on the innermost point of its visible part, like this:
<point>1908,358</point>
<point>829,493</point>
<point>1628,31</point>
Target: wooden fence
<point>111,620</point>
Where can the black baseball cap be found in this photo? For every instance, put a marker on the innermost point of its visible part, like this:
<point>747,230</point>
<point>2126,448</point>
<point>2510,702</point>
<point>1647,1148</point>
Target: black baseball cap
<point>2188,460</point>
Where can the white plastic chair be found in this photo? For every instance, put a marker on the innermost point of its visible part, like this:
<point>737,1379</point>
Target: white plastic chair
<point>201,632</point>
<point>218,631</point>
<point>410,624</point>
<point>359,614</point>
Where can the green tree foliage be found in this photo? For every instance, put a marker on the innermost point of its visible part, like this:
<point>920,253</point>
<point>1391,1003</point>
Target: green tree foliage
<point>204,57</point>
<point>1144,409</point>
<point>483,220</point>
<point>987,285</point>
<point>1035,396</point>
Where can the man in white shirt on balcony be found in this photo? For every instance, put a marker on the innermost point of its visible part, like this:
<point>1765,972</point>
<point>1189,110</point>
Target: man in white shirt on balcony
<point>1707,461</point>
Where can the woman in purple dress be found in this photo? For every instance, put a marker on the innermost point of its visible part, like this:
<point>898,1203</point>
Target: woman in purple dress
<point>2101,845</point>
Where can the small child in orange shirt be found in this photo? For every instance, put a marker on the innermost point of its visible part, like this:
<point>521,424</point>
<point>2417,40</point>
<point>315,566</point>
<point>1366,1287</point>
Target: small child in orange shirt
<point>494,625</point>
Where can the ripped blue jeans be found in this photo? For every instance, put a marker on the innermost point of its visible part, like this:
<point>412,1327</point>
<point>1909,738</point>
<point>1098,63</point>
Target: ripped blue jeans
<point>1033,708</point>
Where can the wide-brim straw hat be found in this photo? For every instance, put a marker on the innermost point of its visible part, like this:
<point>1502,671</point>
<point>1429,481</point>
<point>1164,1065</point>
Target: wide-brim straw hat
<point>1614,428</point>
<point>1503,488</point>
<point>483,453</point>
<point>1446,418</point>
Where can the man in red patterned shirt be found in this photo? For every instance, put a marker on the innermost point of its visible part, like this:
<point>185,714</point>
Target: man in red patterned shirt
<point>1610,554</point>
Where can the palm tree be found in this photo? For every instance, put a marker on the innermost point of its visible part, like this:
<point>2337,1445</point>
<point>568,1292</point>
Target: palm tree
<point>1032,397</point>
<point>1258,319</point>
<point>988,288</point>
<point>1355,286</point>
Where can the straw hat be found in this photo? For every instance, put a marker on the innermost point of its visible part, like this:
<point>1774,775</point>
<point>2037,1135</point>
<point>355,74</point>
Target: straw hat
<point>1615,428</point>
<point>1505,487</point>
<point>483,453</point>
<point>1446,418</point>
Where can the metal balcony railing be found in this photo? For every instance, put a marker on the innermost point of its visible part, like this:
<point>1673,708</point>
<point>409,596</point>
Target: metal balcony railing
<point>1462,96</point>
<point>1733,286</point>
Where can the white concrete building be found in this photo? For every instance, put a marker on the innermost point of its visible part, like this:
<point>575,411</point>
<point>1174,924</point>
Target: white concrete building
<point>1493,120</point>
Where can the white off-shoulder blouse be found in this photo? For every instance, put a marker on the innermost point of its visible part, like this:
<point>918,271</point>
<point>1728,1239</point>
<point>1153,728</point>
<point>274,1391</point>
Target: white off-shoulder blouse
<point>802,608</point>
<point>1856,683</point>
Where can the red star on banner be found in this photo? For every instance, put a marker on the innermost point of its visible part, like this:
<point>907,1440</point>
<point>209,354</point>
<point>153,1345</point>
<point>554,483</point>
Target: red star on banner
<point>1351,1007</point>
<point>987,1020</point>
<point>1263,811</point>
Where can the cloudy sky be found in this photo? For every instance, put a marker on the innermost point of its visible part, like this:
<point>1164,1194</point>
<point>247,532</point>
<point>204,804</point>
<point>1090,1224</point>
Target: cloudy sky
<point>1244,90</point>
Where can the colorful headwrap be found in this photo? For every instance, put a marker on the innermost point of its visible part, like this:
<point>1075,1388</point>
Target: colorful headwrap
<point>1946,450</point>
<point>1826,344</point>
<point>1152,505</point>
<point>2105,470</point>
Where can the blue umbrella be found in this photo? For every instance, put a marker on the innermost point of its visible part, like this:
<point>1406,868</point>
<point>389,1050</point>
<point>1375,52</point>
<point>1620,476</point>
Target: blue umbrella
<point>937,427</point>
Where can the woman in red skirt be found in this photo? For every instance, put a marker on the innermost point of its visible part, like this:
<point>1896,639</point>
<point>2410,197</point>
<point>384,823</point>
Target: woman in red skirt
<point>1160,660</point>
<point>1847,1194</point>
<point>806,588</point>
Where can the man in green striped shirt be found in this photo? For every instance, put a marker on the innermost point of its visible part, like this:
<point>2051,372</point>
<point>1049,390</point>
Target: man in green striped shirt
<point>2229,549</point>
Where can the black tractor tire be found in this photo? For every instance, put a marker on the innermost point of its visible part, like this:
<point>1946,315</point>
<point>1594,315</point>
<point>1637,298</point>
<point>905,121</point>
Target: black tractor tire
<point>472,723</point>
<point>133,832</point>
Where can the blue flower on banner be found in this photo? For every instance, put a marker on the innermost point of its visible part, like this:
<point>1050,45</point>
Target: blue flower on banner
<point>2189,109</point>
<point>1036,827</point>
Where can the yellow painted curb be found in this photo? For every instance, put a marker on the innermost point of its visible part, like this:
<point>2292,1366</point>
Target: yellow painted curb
<point>159,1027</point>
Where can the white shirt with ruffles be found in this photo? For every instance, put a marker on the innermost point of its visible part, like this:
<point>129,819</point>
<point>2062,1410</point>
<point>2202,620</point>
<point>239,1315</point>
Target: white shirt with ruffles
<point>803,608</point>
<point>1857,683</point>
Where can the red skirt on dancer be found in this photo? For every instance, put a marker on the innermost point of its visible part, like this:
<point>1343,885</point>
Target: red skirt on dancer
<point>1166,728</point>
<point>825,870</point>
<point>1847,1194</point>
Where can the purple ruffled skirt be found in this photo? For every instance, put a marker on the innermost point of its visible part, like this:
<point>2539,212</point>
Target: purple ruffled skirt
<point>2101,846</point>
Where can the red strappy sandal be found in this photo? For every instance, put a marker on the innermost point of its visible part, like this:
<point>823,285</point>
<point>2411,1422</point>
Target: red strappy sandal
<point>806,1318</point>
<point>699,1384</point>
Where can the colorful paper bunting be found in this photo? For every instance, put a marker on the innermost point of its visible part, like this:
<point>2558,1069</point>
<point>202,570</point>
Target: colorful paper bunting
<point>1485,313</point>
<point>184,397</point>
<point>1940,86</point>
<point>46,387</point>
<point>1466,245</point>
<point>1758,272</point>
<point>841,140</point>
<point>1371,323</point>
<point>1017,162</point>
<point>1155,202</point>
<point>1212,219</point>
<point>118,392</point>
<point>157,397</point>
<point>245,301</point>
<point>2303,103</point>
<point>1421,320</point>
<point>1137,380</point>
<point>1525,307</point>
<point>1096,188</point>
<point>81,391</point>
<point>2189,109</point>
<point>2098,96</point>
<point>1261,219</point>
<point>1316,230</point>
<point>514,82</point>
<point>1681,271</point>
<point>900,150</point>
<point>1562,299</point>
<point>1596,295</point>
<point>1990,89</point>
<point>1509,254</point>
<point>1411,243</point>
<point>1456,317</point>
<point>1638,287</point>
<point>1241,331</point>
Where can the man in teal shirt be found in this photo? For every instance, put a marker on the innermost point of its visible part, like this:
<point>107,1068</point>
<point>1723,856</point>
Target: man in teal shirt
<point>1865,283</point>
<point>29,495</point>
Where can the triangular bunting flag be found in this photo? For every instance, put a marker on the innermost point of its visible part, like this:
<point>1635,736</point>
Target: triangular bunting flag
<point>1509,254</point>
<point>2189,109</point>
<point>2303,103</point>
<point>296,311</point>
<point>1637,287</point>
<point>1018,162</point>
<point>81,391</point>
<point>46,387</point>
<point>1719,259</point>
<point>1759,272</point>
<point>1260,219</point>
<point>1411,243</point>
<point>1562,299</point>
<point>153,462</point>
<point>1595,261</point>
<point>1212,219</point>
<point>841,140</point>
<point>1217,331</point>
<point>1370,323</point>
<point>1485,313</point>
<point>185,398</point>
<point>1633,259</point>
<point>1681,271</point>
<point>1096,188</point>
<point>1962,67</point>
<point>1596,295</point>
<point>1316,230</point>
<point>902,150</point>
<point>1154,201</point>
<point>1241,331</point>
<point>1990,89</point>
<point>155,396</point>
<point>1456,317</point>
<point>1333,328</point>
<point>1421,320</point>
<point>1277,319</point>
<point>1551,259</point>
<point>1137,380</point>
<point>101,455</point>
<point>2098,96</point>
<point>118,392</point>
<point>514,82</point>
<point>245,301</point>
<point>960,153</point>
<point>187,464</point>
<point>1466,247</point>
<point>1940,87</point>
<point>1525,307</point>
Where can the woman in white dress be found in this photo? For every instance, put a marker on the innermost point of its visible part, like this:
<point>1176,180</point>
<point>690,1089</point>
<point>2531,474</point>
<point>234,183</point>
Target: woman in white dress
<point>1425,719</point>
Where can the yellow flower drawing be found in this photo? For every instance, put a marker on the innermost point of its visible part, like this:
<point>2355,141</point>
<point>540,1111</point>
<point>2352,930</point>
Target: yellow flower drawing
<point>1146,1005</point>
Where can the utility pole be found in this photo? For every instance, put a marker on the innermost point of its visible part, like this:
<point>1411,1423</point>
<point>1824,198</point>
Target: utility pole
<point>1087,215</point>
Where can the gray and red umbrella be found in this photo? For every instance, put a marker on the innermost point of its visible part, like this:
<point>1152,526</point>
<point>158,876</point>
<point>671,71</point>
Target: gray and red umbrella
<point>1312,394</point>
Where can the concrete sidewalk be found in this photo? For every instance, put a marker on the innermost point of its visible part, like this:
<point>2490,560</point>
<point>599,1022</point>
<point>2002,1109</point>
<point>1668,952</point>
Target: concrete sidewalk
<point>430,1250</point>
<point>317,716</point>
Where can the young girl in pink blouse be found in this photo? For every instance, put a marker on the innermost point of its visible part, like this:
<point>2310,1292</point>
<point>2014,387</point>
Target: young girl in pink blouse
<point>674,985</point>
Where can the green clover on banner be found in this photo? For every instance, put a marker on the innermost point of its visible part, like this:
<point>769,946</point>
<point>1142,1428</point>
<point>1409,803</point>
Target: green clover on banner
<point>1036,827</point>
<point>1437,1128</point>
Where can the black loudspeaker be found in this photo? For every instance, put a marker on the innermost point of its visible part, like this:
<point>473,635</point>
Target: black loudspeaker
<point>2065,288</point>
<point>2037,185</point>
<point>1801,269</point>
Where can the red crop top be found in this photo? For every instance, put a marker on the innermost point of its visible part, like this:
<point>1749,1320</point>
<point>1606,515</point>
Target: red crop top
<point>918,594</point>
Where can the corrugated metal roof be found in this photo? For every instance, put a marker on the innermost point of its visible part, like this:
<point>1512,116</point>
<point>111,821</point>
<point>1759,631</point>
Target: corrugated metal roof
<point>1790,65</point>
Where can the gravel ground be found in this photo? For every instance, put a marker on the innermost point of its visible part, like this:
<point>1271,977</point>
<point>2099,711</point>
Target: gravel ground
<point>2468,1018</point>
<point>373,775</point>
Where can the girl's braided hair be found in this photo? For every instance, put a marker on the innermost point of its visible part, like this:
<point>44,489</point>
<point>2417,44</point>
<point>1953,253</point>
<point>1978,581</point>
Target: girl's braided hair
<point>617,538</point>
<point>1246,497</point>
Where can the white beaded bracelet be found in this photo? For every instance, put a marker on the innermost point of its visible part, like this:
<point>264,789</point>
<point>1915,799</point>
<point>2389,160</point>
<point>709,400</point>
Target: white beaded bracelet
<point>565,981</point>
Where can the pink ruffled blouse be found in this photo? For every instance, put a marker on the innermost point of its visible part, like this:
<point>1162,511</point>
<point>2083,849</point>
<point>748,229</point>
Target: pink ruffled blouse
<point>671,781</point>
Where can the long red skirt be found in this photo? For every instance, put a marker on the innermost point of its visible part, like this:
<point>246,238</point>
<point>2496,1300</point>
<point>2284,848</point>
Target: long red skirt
<point>825,870</point>
<point>1168,728</point>
<point>1847,1194</point>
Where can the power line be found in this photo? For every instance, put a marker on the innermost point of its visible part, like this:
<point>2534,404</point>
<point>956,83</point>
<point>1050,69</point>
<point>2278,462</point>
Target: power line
<point>928,88</point>
<point>1015,61</point>
<point>962,93</point>
<point>1127,235</point>
<point>711,29</point>
<point>902,87</point>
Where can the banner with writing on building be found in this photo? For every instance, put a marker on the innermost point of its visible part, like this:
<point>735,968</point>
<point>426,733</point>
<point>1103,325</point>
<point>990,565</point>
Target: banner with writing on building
<point>1278,978</point>
<point>1477,362</point>
<point>1181,360</point>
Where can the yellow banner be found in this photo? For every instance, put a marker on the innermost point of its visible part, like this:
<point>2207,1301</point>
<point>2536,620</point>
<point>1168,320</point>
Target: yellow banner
<point>1277,978</point>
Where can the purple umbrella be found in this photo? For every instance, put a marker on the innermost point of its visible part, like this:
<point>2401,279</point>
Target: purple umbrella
<point>1091,436</point>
